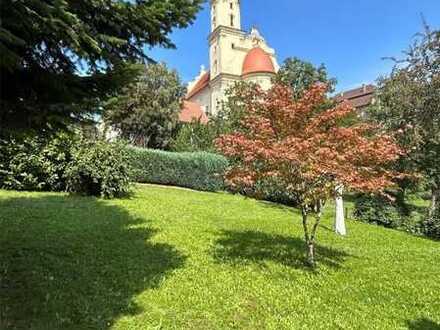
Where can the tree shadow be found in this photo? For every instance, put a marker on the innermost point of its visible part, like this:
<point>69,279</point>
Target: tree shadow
<point>242,247</point>
<point>73,262</point>
<point>423,324</point>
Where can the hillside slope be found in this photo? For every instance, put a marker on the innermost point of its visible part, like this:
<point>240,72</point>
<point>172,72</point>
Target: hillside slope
<point>170,258</point>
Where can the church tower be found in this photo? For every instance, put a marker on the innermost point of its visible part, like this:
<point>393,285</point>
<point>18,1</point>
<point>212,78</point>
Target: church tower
<point>225,35</point>
<point>225,13</point>
<point>225,26</point>
<point>234,55</point>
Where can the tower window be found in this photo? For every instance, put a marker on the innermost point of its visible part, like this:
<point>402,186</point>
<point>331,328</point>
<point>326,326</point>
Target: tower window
<point>231,5</point>
<point>232,20</point>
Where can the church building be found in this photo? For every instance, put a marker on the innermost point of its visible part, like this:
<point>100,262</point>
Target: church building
<point>235,55</point>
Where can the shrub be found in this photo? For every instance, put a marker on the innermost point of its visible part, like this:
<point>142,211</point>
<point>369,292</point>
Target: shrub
<point>35,163</point>
<point>200,170</point>
<point>100,169</point>
<point>431,226</point>
<point>377,210</point>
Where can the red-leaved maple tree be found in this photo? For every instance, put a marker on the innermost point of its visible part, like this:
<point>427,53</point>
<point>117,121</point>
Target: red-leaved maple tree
<point>310,149</point>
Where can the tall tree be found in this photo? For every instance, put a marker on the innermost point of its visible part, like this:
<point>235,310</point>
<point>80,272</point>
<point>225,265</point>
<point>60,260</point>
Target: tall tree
<point>146,112</point>
<point>59,58</point>
<point>409,102</point>
<point>307,149</point>
<point>300,75</point>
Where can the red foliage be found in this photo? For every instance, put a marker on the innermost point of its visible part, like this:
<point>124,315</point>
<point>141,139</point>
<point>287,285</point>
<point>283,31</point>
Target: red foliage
<point>311,150</point>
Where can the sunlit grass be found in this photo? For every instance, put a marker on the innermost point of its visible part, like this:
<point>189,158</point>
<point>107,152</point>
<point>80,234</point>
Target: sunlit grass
<point>170,258</point>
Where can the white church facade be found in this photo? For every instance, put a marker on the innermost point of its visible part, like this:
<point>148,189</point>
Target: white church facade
<point>235,55</point>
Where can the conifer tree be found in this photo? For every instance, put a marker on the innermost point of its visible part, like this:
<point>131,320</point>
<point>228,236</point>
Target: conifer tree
<point>60,58</point>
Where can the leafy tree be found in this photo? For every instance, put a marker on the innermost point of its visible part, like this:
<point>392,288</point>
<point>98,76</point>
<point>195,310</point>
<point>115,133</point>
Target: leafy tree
<point>195,136</point>
<point>59,59</point>
<point>409,102</point>
<point>307,149</point>
<point>146,113</point>
<point>300,75</point>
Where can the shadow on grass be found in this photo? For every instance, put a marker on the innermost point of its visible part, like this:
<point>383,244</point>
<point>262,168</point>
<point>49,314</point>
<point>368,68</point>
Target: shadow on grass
<point>423,324</point>
<point>241,247</point>
<point>71,262</point>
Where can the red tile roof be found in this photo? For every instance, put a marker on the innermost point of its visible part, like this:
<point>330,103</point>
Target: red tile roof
<point>192,111</point>
<point>359,97</point>
<point>257,61</point>
<point>201,84</point>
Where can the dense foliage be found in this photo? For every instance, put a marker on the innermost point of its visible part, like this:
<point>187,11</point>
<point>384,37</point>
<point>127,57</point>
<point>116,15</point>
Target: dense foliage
<point>431,226</point>
<point>195,137</point>
<point>35,163</point>
<point>300,75</point>
<point>379,210</point>
<point>65,162</point>
<point>44,45</point>
<point>390,213</point>
<point>305,147</point>
<point>409,102</point>
<point>200,171</point>
<point>146,112</point>
<point>100,169</point>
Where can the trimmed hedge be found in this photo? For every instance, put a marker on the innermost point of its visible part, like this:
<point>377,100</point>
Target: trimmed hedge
<point>198,170</point>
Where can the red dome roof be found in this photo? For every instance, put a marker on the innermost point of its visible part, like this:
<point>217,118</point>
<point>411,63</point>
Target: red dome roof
<point>257,61</point>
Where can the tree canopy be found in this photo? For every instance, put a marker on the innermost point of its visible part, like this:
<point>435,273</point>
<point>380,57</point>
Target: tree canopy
<point>300,75</point>
<point>307,149</point>
<point>146,112</point>
<point>59,58</point>
<point>409,102</point>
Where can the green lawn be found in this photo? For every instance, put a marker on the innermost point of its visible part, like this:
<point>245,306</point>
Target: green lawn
<point>169,258</point>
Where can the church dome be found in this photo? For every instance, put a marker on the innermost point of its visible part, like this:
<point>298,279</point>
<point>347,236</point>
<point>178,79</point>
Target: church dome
<point>257,61</point>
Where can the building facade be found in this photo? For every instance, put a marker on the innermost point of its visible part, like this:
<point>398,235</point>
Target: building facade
<point>235,55</point>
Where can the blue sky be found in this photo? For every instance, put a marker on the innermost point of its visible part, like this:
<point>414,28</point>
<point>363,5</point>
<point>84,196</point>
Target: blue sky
<point>349,36</point>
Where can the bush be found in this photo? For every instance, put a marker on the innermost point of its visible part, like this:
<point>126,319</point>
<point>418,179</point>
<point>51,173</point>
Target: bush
<point>200,170</point>
<point>35,163</point>
<point>431,226</point>
<point>99,169</point>
<point>377,210</point>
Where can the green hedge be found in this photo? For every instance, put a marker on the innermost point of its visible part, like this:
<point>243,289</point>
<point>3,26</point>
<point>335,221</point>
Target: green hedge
<point>199,170</point>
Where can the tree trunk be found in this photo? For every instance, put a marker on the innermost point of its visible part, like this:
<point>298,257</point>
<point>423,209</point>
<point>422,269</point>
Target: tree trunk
<point>310,235</point>
<point>339,227</point>
<point>311,254</point>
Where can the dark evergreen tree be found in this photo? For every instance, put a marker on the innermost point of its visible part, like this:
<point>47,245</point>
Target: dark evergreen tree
<point>60,58</point>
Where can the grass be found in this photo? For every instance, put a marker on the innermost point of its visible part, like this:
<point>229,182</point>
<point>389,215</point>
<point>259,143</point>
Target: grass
<point>170,258</point>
